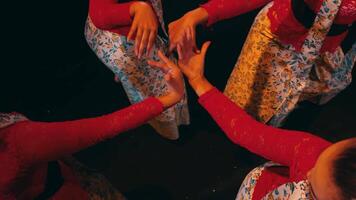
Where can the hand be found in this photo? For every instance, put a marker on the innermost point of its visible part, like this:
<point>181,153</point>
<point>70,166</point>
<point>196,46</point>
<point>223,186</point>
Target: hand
<point>145,27</point>
<point>192,65</point>
<point>174,79</point>
<point>185,27</point>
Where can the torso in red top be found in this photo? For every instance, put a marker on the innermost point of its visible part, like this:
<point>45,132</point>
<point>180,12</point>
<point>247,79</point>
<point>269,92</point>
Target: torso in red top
<point>290,31</point>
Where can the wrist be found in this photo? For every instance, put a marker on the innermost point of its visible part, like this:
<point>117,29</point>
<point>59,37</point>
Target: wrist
<point>168,101</point>
<point>200,85</point>
<point>135,6</point>
<point>199,16</point>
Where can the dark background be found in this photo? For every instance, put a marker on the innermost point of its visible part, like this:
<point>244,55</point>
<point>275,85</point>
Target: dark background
<point>49,73</point>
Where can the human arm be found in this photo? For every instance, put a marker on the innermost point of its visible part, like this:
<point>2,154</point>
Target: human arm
<point>286,147</point>
<point>224,9</point>
<point>283,146</point>
<point>34,142</point>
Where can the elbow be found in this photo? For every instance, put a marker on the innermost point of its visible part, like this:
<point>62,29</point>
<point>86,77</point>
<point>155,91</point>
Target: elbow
<point>99,19</point>
<point>99,22</point>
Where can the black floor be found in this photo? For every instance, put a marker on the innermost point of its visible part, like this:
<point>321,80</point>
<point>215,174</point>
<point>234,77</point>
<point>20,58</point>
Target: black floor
<point>56,77</point>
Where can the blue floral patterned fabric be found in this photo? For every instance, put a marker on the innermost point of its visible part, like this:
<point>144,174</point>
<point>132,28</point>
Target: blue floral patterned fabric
<point>136,76</point>
<point>288,191</point>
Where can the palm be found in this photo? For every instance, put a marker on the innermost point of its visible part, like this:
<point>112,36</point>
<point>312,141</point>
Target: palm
<point>173,77</point>
<point>193,65</point>
<point>192,62</point>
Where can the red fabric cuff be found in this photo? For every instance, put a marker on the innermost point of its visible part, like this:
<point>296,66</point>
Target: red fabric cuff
<point>204,98</point>
<point>156,105</point>
<point>213,14</point>
<point>126,15</point>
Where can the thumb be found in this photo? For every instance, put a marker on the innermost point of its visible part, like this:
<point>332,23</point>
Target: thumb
<point>205,47</point>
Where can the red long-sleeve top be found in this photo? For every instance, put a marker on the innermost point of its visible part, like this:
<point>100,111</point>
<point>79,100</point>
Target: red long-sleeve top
<point>26,147</point>
<point>111,15</point>
<point>283,22</point>
<point>294,149</point>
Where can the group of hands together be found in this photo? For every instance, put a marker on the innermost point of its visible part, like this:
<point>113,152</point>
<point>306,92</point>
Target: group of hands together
<point>191,60</point>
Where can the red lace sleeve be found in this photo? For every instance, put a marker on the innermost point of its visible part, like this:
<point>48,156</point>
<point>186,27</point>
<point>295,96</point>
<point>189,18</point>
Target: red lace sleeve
<point>109,14</point>
<point>224,9</point>
<point>35,142</point>
<point>296,149</point>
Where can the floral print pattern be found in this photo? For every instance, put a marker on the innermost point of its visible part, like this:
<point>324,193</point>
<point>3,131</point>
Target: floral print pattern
<point>94,183</point>
<point>271,77</point>
<point>288,191</point>
<point>7,119</point>
<point>292,190</point>
<point>137,77</point>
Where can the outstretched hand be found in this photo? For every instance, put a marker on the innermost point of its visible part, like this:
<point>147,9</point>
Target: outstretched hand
<point>184,27</point>
<point>192,64</point>
<point>174,79</point>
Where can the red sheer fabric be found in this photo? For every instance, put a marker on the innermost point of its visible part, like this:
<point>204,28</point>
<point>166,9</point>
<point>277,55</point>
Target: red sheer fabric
<point>295,149</point>
<point>111,15</point>
<point>26,147</point>
<point>283,22</point>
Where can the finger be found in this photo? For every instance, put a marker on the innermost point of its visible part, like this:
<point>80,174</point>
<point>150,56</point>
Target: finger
<point>132,31</point>
<point>172,46</point>
<point>164,58</point>
<point>205,47</point>
<point>188,34</point>
<point>180,52</point>
<point>151,41</point>
<point>138,40</point>
<point>143,43</point>
<point>182,40</point>
<point>192,32</point>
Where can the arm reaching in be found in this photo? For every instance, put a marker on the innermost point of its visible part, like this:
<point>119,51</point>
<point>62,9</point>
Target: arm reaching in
<point>224,9</point>
<point>33,142</point>
<point>278,145</point>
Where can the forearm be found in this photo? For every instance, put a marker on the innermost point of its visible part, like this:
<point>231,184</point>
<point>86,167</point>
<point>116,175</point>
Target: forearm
<point>198,16</point>
<point>224,9</point>
<point>274,144</point>
<point>40,141</point>
<point>200,85</point>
